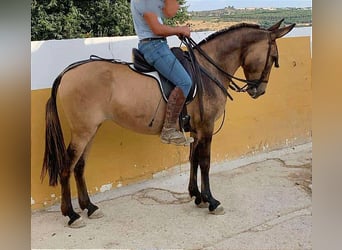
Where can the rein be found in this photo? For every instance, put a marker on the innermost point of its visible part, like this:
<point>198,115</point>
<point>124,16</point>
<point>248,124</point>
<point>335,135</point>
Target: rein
<point>191,45</point>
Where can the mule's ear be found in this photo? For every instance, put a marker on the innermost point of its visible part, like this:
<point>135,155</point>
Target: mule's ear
<point>282,31</point>
<point>276,25</point>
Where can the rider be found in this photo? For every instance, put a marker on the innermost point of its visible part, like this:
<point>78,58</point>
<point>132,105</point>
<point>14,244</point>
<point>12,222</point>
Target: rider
<point>152,33</point>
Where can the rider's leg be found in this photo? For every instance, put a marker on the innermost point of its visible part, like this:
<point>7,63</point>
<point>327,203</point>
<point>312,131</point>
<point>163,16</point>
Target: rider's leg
<point>169,133</point>
<point>158,54</point>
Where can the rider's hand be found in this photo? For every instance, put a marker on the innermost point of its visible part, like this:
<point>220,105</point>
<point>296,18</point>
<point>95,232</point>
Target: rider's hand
<point>184,31</point>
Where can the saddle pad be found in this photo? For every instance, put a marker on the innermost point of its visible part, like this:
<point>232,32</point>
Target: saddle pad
<point>165,85</point>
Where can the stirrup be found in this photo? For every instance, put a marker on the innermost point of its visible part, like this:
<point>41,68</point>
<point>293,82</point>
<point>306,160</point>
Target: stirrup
<point>173,136</point>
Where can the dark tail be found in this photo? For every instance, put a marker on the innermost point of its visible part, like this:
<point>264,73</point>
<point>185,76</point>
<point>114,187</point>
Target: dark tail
<point>55,156</point>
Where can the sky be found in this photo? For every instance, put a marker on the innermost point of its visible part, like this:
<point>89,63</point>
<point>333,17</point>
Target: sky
<point>219,4</point>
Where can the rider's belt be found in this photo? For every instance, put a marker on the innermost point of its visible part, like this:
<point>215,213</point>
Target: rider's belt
<point>152,39</point>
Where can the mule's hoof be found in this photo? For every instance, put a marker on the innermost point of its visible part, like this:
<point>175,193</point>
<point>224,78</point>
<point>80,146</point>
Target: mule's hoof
<point>218,211</point>
<point>203,205</point>
<point>96,214</point>
<point>198,200</point>
<point>78,223</point>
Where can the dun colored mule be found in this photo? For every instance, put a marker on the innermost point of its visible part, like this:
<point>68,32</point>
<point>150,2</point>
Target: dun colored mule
<point>94,91</point>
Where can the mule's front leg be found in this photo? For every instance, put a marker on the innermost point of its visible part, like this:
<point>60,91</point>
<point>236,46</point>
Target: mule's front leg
<point>204,161</point>
<point>193,187</point>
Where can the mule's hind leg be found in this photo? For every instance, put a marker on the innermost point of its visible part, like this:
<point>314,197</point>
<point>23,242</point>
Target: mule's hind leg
<point>93,211</point>
<point>66,206</point>
<point>75,150</point>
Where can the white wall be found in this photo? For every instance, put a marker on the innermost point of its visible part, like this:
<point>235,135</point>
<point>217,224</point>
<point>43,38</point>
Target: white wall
<point>49,58</point>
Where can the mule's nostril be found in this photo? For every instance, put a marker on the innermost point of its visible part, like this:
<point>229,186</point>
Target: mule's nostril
<point>255,93</point>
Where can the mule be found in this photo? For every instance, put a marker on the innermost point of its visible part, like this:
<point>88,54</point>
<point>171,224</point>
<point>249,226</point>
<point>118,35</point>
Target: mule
<point>93,91</point>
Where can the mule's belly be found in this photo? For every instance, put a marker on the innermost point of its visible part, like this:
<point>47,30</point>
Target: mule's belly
<point>140,112</point>
<point>136,102</point>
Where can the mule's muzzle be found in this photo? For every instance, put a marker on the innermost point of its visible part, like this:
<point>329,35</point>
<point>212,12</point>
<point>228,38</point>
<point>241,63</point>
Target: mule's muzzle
<point>254,93</point>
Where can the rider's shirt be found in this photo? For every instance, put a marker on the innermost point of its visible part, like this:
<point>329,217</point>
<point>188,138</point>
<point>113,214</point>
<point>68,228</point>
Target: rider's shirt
<point>138,8</point>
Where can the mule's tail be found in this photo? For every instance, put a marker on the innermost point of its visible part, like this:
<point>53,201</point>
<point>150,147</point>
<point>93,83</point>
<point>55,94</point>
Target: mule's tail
<point>55,155</point>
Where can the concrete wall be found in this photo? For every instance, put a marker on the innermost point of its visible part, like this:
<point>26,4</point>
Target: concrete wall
<point>49,58</point>
<point>280,118</point>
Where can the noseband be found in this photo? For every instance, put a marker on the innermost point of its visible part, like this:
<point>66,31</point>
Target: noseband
<point>249,84</point>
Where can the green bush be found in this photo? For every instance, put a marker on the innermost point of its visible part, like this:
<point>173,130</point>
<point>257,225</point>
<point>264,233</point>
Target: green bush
<point>65,19</point>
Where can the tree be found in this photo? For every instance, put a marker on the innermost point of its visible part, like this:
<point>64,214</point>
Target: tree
<point>52,20</point>
<point>182,15</point>
<point>65,19</point>
<point>106,18</point>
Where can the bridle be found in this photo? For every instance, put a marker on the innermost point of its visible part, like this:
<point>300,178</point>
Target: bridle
<point>249,84</point>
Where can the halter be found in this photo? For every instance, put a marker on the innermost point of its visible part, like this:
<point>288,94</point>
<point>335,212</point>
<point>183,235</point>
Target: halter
<point>191,44</point>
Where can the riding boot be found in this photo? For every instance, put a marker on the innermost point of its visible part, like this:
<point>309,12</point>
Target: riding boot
<point>169,133</point>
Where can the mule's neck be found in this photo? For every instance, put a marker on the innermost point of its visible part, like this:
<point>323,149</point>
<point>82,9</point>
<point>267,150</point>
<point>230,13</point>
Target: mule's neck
<point>227,58</point>
<point>228,50</point>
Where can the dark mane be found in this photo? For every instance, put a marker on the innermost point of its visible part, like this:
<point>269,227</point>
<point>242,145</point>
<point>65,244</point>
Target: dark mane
<point>231,28</point>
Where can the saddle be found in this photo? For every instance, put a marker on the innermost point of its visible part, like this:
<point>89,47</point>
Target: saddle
<point>141,66</point>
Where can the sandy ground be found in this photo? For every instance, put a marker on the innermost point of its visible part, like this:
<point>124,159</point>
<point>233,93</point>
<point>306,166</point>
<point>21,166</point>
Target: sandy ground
<point>267,200</point>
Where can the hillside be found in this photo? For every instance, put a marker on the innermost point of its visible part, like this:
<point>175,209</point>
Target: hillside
<point>217,19</point>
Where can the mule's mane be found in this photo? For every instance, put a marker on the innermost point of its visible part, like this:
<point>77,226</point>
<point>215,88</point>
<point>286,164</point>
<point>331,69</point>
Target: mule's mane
<point>229,29</point>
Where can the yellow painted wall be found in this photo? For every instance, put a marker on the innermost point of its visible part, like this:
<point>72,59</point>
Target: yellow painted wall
<point>280,118</point>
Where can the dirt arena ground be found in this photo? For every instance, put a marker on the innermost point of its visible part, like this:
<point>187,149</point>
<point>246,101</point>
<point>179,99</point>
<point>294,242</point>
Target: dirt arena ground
<point>267,200</point>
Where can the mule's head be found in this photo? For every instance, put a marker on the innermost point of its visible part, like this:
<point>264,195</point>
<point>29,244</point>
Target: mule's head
<point>259,57</point>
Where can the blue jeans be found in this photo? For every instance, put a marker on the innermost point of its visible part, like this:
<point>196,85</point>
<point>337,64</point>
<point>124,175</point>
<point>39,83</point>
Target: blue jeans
<point>158,54</point>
